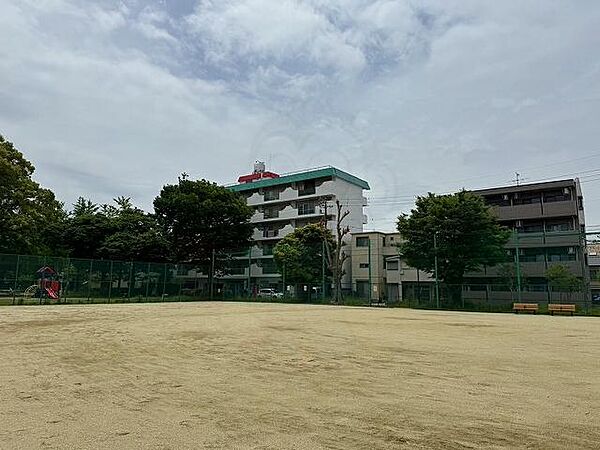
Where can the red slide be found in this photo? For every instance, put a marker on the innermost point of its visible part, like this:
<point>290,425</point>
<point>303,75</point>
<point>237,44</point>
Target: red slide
<point>51,293</point>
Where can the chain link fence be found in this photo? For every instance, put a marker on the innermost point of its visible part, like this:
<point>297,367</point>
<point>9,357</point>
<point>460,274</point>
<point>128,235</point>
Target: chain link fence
<point>41,279</point>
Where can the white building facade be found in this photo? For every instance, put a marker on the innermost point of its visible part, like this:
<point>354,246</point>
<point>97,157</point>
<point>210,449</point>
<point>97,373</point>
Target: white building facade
<point>284,203</point>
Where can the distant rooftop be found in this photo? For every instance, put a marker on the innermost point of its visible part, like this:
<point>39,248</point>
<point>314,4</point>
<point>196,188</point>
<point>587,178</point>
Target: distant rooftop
<point>303,175</point>
<point>527,186</point>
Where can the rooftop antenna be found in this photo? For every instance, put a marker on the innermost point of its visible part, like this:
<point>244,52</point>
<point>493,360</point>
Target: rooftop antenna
<point>518,178</point>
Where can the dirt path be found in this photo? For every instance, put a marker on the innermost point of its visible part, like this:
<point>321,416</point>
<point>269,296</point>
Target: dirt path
<point>232,375</point>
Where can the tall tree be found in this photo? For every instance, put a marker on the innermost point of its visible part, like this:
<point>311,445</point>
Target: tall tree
<point>203,222</point>
<point>460,229</point>
<point>30,216</point>
<point>562,280</point>
<point>86,229</point>
<point>135,235</point>
<point>299,255</point>
<point>336,256</point>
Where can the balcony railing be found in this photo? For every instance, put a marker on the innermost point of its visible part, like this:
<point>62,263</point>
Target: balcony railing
<point>270,233</point>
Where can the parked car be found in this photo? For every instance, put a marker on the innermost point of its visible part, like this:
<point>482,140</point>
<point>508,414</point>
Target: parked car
<point>269,293</point>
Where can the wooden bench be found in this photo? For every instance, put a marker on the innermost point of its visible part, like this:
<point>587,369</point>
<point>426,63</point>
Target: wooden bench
<point>526,307</point>
<point>560,308</point>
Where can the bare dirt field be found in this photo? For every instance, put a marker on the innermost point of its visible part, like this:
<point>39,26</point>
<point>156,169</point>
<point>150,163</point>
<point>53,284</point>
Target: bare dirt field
<point>235,375</point>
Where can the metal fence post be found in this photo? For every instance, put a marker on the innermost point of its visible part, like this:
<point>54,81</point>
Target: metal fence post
<point>129,280</point>
<point>110,281</point>
<point>147,280</point>
<point>164,284</point>
<point>90,280</point>
<point>16,279</point>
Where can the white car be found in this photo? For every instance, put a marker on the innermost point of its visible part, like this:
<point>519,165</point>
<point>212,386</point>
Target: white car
<point>269,293</point>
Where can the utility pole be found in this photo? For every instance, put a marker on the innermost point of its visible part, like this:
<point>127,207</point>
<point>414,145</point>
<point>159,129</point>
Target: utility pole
<point>323,270</point>
<point>437,281</point>
<point>517,264</point>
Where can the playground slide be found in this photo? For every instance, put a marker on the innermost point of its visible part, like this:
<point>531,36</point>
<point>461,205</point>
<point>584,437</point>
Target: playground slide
<point>51,293</point>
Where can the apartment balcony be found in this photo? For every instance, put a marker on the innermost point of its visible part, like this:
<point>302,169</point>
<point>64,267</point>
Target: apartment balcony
<point>563,238</point>
<point>574,267</point>
<point>516,212</point>
<point>290,193</point>
<point>533,269</point>
<point>266,234</point>
<point>566,208</point>
<point>548,239</point>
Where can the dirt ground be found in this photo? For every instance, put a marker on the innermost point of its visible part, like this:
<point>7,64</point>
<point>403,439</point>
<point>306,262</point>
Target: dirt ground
<point>235,375</point>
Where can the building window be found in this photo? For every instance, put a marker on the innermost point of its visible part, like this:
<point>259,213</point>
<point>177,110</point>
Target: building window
<point>392,265</point>
<point>271,194</point>
<point>363,265</point>
<point>559,225</point>
<point>270,232</point>
<point>307,187</point>
<point>532,227</point>
<point>531,255</point>
<point>559,254</point>
<point>362,241</point>
<point>306,208</point>
<point>527,198</point>
<point>498,200</point>
<point>557,195</point>
<point>271,213</point>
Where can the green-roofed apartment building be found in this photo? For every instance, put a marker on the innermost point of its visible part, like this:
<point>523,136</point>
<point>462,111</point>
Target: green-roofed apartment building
<point>285,202</point>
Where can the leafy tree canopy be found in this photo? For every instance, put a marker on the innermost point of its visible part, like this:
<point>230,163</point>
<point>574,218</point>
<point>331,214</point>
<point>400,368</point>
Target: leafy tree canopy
<point>300,254</point>
<point>30,216</point>
<point>561,279</point>
<point>199,217</point>
<point>468,235</point>
<point>120,231</point>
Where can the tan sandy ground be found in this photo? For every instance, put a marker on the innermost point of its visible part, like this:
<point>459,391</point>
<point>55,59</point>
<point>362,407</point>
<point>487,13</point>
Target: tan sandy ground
<point>231,375</point>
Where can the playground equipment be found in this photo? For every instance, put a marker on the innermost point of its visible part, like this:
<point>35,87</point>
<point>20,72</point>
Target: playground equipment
<point>48,285</point>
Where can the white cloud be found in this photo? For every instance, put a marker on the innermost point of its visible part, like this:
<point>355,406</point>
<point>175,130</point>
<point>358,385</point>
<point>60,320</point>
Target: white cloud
<point>118,98</point>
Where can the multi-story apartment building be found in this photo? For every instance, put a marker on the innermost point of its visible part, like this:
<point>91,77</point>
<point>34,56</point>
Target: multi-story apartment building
<point>283,203</point>
<point>548,223</point>
<point>379,274</point>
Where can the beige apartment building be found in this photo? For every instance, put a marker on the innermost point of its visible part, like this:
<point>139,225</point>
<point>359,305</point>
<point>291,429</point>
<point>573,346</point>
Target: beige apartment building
<point>379,274</point>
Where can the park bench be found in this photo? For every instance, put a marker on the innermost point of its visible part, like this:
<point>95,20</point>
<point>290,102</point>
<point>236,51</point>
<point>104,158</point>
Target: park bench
<point>560,308</point>
<point>526,307</point>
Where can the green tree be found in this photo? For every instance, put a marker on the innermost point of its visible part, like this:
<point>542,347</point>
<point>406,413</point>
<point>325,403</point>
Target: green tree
<point>203,222</point>
<point>300,254</point>
<point>562,280</point>
<point>120,231</point>
<point>86,229</point>
<point>135,235</point>
<point>507,272</point>
<point>464,230</point>
<point>30,216</point>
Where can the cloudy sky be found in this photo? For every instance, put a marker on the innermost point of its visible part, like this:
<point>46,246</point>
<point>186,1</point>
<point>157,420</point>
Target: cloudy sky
<point>113,98</point>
